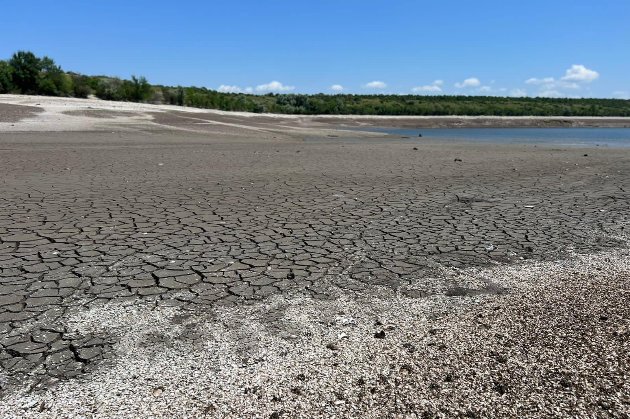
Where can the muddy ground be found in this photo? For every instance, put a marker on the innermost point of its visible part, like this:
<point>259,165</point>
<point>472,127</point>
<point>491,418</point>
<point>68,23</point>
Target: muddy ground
<point>165,269</point>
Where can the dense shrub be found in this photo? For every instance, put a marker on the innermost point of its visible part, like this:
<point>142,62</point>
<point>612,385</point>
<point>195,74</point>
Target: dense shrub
<point>109,88</point>
<point>6,77</point>
<point>173,95</point>
<point>81,86</point>
<point>143,91</point>
<point>137,90</point>
<point>52,80</point>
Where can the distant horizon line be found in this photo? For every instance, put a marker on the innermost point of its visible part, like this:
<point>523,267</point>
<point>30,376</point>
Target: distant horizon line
<point>550,87</point>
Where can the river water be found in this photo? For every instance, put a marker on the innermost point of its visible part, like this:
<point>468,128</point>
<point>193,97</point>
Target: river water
<point>570,137</point>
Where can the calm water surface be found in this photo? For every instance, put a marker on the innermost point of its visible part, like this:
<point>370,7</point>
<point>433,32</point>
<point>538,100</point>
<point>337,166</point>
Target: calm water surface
<point>576,137</point>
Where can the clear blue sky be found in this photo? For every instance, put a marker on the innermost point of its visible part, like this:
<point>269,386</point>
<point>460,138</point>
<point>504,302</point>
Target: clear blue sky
<point>551,47</point>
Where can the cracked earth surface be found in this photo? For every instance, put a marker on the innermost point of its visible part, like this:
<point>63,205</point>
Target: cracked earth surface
<point>189,221</point>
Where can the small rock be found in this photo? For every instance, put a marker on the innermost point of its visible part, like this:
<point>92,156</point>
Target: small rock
<point>565,382</point>
<point>500,387</point>
<point>29,405</point>
<point>415,148</point>
<point>380,335</point>
<point>604,404</point>
<point>501,359</point>
<point>291,275</point>
<point>406,369</point>
<point>332,346</point>
<point>158,391</point>
<point>409,347</point>
<point>457,159</point>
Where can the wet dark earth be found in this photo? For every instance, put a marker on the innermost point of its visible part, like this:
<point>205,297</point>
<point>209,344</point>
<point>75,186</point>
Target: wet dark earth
<point>185,220</point>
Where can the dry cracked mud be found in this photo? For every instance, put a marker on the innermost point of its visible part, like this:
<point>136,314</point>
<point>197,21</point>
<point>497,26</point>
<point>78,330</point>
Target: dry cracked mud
<point>174,220</point>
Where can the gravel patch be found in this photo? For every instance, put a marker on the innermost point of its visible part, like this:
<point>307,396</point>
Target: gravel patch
<point>556,344</point>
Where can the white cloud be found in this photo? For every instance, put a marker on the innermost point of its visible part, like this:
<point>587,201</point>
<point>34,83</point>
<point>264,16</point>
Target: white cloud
<point>574,78</point>
<point>427,88</point>
<point>549,83</point>
<point>336,88</point>
<point>518,93</point>
<point>376,84</point>
<point>274,86</point>
<point>434,87</point>
<point>488,90</point>
<point>470,82</point>
<point>546,80</point>
<point>579,73</point>
<point>226,88</point>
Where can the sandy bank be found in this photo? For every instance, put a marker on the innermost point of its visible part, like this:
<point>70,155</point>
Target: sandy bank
<point>68,114</point>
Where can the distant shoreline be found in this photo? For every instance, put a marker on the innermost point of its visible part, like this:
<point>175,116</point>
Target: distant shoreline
<point>19,113</point>
<point>465,121</point>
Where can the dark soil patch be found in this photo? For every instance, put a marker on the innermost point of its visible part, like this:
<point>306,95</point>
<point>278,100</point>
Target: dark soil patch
<point>15,113</point>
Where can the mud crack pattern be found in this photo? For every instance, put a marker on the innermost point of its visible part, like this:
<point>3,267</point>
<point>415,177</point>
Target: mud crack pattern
<point>196,222</point>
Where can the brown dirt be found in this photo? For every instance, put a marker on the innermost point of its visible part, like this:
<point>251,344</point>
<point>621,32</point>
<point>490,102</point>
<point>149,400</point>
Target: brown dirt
<point>15,113</point>
<point>99,113</point>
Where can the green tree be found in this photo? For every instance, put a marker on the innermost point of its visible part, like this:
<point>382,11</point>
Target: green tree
<point>180,97</point>
<point>26,67</point>
<point>141,90</point>
<point>6,75</point>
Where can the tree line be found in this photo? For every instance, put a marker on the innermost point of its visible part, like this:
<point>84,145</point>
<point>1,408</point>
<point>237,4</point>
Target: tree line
<point>26,73</point>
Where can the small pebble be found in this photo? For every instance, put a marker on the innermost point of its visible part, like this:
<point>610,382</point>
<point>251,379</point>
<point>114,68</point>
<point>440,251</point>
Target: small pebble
<point>380,335</point>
